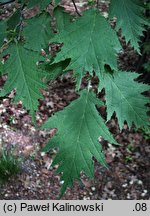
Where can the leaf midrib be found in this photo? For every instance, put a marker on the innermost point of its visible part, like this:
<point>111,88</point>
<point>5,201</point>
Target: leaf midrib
<point>24,78</point>
<point>77,143</point>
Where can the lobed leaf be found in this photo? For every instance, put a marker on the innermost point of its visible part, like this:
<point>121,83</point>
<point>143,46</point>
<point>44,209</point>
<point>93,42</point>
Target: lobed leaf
<point>123,96</point>
<point>55,70</point>
<point>63,19</point>
<point>1,67</point>
<point>24,76</point>
<point>87,46</point>
<point>130,19</point>
<point>42,3</point>
<point>3,27</point>
<point>79,127</point>
<point>14,20</point>
<point>37,32</point>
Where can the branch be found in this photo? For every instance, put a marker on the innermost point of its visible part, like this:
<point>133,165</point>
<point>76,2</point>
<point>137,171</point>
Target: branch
<point>76,8</point>
<point>97,3</point>
<point>20,24</point>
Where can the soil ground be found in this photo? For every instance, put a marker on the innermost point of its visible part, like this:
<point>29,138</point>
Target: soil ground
<point>128,174</point>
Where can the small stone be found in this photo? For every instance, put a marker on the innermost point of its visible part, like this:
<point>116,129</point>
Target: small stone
<point>28,149</point>
<point>43,154</point>
<point>125,185</point>
<point>109,185</point>
<point>85,193</point>
<point>50,104</point>
<point>86,198</point>
<point>131,182</point>
<point>93,188</point>
<point>144,193</point>
<point>128,196</point>
<point>56,166</point>
<point>105,14</point>
<point>140,182</point>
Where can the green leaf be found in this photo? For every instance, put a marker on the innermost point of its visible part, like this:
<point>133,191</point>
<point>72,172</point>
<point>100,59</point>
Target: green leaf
<point>1,67</point>
<point>57,2</point>
<point>123,96</point>
<point>14,20</point>
<point>3,27</point>
<point>87,45</point>
<point>63,19</point>
<point>41,3</point>
<point>38,32</point>
<point>79,128</point>
<point>4,1</point>
<point>55,70</point>
<point>147,67</point>
<point>130,19</point>
<point>24,76</point>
